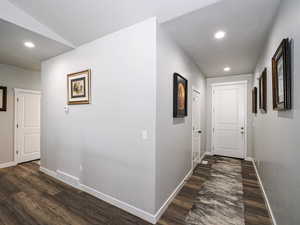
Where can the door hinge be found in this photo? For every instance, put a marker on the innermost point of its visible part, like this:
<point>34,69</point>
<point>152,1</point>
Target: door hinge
<point>17,152</point>
<point>17,125</point>
<point>17,99</point>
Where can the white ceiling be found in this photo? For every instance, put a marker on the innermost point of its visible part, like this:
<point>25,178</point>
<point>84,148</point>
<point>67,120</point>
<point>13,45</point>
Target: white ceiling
<point>86,20</point>
<point>13,52</point>
<point>246,22</point>
<point>192,23</point>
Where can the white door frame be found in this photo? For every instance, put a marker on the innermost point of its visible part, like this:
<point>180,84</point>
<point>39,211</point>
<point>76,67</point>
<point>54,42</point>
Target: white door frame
<point>16,92</point>
<point>196,90</point>
<point>245,83</point>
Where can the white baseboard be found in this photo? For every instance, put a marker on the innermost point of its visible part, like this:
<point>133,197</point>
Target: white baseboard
<point>69,179</point>
<point>208,153</point>
<point>48,172</point>
<point>8,164</point>
<point>120,204</point>
<point>75,182</point>
<point>264,193</point>
<point>249,159</point>
<point>202,157</point>
<point>171,197</point>
<point>151,218</point>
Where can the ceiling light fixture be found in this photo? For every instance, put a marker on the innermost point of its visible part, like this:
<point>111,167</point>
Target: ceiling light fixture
<point>29,44</point>
<point>226,69</point>
<point>220,34</point>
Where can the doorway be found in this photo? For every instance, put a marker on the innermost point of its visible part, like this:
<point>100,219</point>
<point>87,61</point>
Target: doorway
<point>196,128</point>
<point>229,119</point>
<point>27,125</point>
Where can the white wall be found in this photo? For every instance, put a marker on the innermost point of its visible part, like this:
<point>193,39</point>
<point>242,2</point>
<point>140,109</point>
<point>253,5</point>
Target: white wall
<point>276,139</point>
<point>210,81</point>
<point>174,135</point>
<point>13,77</point>
<point>105,137</point>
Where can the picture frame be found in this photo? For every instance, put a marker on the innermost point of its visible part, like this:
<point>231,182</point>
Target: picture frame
<point>263,91</point>
<point>281,77</point>
<point>254,100</point>
<point>79,85</point>
<point>3,98</point>
<point>180,96</point>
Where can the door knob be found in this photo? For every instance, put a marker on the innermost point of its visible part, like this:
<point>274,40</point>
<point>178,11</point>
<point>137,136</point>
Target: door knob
<point>242,132</point>
<point>199,131</point>
<point>242,128</point>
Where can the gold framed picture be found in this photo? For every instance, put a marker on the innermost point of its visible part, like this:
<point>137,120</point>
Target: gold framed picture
<point>79,85</point>
<point>180,96</point>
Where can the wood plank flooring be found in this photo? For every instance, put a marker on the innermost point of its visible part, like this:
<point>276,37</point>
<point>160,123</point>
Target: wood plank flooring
<point>29,197</point>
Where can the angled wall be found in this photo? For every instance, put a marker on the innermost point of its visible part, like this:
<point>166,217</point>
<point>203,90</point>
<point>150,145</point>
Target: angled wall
<point>173,159</point>
<point>109,145</point>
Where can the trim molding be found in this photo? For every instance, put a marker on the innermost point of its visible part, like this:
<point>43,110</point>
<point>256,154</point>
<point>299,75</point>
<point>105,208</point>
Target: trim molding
<point>67,178</point>
<point>151,218</point>
<point>249,159</point>
<point>264,192</point>
<point>208,153</point>
<point>8,164</point>
<point>48,172</point>
<point>120,204</point>
<point>164,207</point>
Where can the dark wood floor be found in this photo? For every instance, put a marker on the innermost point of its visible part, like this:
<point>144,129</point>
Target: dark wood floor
<point>29,197</point>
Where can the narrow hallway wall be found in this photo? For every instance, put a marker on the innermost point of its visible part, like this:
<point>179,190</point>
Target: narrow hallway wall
<point>174,135</point>
<point>276,134</point>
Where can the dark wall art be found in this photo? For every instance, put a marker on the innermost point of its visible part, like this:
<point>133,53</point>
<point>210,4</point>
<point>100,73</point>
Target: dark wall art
<point>254,100</point>
<point>79,88</point>
<point>281,77</point>
<point>263,91</point>
<point>3,98</point>
<point>180,96</point>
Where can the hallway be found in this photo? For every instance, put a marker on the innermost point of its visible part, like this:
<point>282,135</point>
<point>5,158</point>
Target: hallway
<point>28,196</point>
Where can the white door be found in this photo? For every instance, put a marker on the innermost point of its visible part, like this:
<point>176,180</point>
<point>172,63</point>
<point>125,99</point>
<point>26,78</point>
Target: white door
<point>229,102</point>
<point>196,118</point>
<point>27,121</point>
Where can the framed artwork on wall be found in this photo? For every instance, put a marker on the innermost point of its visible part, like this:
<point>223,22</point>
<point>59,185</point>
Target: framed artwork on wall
<point>254,100</point>
<point>180,96</point>
<point>263,91</point>
<point>281,77</point>
<point>79,87</point>
<point>3,98</point>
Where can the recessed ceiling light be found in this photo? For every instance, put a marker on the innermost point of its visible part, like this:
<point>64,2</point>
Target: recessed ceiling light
<point>29,44</point>
<point>226,69</point>
<point>220,34</point>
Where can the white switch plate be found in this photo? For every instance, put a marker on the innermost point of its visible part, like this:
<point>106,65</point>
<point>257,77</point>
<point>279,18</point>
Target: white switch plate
<point>144,134</point>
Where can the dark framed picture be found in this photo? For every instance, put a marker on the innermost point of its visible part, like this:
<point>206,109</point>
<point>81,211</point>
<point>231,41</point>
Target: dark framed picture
<point>254,100</point>
<point>3,98</point>
<point>281,77</point>
<point>180,96</point>
<point>263,91</point>
<point>79,87</point>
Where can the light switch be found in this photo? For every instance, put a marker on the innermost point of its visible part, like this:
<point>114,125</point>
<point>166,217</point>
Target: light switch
<point>144,134</point>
